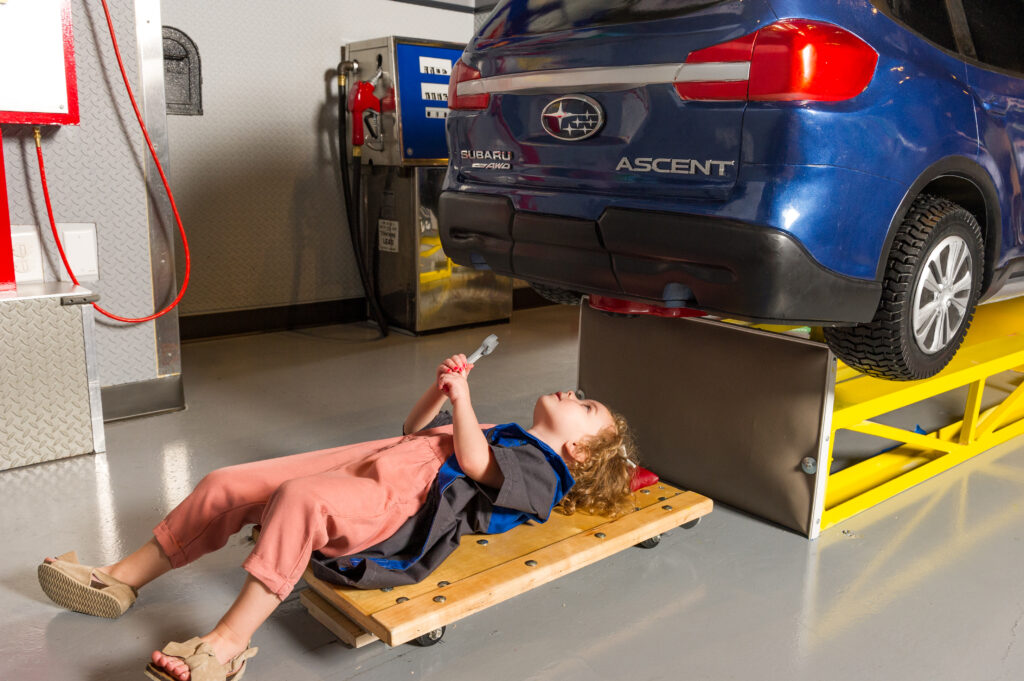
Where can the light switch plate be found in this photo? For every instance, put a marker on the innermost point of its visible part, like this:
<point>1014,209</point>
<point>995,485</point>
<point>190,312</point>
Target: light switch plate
<point>79,239</point>
<point>28,255</point>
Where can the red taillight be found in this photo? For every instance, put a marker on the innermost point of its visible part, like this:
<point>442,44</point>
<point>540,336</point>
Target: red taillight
<point>733,51</point>
<point>790,60</point>
<point>806,60</point>
<point>461,74</point>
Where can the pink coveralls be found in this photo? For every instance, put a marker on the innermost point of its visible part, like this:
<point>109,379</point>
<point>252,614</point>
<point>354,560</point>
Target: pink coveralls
<point>339,501</point>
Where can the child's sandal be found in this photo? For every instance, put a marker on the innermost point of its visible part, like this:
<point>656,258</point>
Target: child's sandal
<point>84,589</point>
<point>202,662</point>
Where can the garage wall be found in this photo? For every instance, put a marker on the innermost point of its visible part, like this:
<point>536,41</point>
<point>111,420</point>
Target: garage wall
<point>255,176</point>
<point>96,173</point>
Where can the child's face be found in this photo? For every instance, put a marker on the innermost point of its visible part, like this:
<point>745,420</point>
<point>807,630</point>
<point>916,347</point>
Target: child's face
<point>570,418</point>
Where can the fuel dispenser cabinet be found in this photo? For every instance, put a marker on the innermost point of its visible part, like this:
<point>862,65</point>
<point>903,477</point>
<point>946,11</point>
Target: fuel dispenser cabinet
<point>397,103</point>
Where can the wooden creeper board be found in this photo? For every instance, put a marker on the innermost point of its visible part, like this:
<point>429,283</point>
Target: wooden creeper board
<point>488,569</point>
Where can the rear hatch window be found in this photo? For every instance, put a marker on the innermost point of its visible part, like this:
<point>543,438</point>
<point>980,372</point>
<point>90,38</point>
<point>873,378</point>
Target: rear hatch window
<point>532,17</point>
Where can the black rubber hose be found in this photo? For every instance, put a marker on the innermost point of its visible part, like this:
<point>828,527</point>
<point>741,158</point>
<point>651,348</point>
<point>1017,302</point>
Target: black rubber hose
<point>346,181</point>
<point>350,192</point>
<point>357,219</point>
<point>366,250</point>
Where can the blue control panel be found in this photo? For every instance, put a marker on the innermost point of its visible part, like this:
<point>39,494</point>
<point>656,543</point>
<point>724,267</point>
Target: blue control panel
<point>423,74</point>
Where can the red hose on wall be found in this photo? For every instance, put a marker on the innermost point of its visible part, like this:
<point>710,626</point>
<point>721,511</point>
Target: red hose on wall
<point>163,177</point>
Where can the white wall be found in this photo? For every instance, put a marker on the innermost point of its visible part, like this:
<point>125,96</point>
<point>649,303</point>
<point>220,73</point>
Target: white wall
<point>255,177</point>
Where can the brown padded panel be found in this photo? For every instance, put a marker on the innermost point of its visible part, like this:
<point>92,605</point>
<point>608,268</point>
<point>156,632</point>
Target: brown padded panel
<point>725,411</point>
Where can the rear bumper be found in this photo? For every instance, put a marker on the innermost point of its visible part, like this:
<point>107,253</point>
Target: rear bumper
<point>723,266</point>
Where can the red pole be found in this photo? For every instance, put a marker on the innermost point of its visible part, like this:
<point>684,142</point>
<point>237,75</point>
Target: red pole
<point>6,249</point>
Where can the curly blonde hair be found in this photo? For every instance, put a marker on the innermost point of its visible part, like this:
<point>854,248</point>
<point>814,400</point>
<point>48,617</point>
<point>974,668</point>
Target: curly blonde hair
<point>603,477</point>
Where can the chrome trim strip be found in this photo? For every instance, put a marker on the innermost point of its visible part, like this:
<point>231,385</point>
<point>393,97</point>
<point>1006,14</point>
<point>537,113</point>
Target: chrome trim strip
<point>99,438</point>
<point>606,78</point>
<point>825,445</point>
<point>162,226</point>
<point>155,396</point>
<point>48,289</point>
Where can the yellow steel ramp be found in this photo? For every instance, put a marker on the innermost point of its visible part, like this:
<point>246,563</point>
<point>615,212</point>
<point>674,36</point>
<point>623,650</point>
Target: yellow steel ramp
<point>994,345</point>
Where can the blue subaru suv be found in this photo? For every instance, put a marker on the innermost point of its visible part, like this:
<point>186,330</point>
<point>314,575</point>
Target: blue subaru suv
<point>855,165</point>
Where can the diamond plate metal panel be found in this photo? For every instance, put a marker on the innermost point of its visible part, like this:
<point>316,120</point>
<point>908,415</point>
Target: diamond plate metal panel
<point>255,176</point>
<point>44,386</point>
<point>96,174</point>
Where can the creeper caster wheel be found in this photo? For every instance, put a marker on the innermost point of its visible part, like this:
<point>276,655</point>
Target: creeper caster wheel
<point>650,543</point>
<point>429,638</point>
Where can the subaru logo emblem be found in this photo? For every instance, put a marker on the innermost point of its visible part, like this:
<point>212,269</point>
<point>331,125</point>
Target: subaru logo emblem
<point>572,118</point>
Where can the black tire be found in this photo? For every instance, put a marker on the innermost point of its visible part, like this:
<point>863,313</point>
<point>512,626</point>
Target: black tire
<point>557,295</point>
<point>650,543</point>
<point>430,638</point>
<point>887,347</point>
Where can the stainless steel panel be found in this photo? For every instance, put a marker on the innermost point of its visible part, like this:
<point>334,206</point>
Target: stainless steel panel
<point>143,398</point>
<point>99,439</point>
<point>162,226</point>
<point>45,408</point>
<point>727,411</point>
<point>420,288</point>
<point>824,458</point>
<point>448,294</point>
<point>367,53</point>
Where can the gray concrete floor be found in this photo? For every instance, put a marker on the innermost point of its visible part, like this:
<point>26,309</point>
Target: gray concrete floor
<point>925,586</point>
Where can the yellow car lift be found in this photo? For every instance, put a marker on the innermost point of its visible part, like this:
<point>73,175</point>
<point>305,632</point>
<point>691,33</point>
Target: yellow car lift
<point>994,345</point>
<point>750,416</point>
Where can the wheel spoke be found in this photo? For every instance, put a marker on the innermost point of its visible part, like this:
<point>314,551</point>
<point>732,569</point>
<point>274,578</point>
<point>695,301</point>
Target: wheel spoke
<point>963,262</point>
<point>925,316</point>
<point>935,270</point>
<point>963,285</point>
<point>930,341</point>
<point>941,331</point>
<point>950,326</point>
<point>953,252</point>
<point>927,329</point>
<point>930,285</point>
<point>957,311</point>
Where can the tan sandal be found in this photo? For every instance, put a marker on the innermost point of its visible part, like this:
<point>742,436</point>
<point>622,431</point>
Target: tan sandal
<point>202,662</point>
<point>84,589</point>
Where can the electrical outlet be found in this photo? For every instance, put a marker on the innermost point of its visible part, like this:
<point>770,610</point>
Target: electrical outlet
<point>79,239</point>
<point>28,254</point>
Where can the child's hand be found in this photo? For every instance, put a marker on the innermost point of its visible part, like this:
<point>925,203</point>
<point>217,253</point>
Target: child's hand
<point>454,385</point>
<point>454,364</point>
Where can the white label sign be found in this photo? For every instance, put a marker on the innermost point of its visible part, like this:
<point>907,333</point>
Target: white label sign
<point>387,236</point>
<point>435,67</point>
<point>434,92</point>
<point>32,75</point>
<point>437,112</point>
